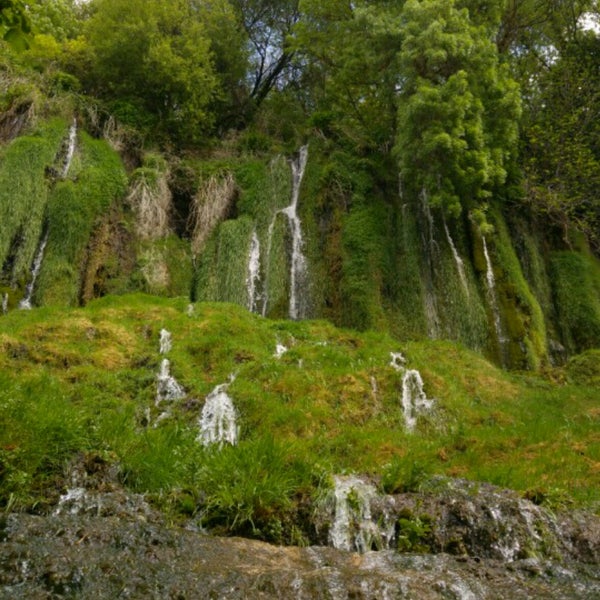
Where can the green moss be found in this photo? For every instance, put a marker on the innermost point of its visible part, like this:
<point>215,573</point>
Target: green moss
<point>575,278</point>
<point>24,191</point>
<point>521,314</point>
<point>75,208</point>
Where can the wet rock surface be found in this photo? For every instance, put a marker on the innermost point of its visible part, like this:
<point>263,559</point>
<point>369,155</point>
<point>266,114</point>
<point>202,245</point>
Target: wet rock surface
<point>459,540</point>
<point>69,556</point>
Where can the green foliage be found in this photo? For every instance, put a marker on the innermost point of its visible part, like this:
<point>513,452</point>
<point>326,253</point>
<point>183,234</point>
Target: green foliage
<point>154,59</point>
<point>23,197</point>
<point>584,369</point>
<point>248,490</point>
<point>15,24</point>
<point>457,110</point>
<point>575,283</point>
<point>75,207</point>
<point>82,380</point>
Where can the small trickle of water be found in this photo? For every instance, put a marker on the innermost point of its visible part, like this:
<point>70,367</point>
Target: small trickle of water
<point>4,303</point>
<point>280,350</point>
<point>25,303</point>
<point>165,341</point>
<point>492,296</point>
<point>414,400</point>
<point>397,361</point>
<point>353,527</point>
<point>218,421</point>
<point>167,388</point>
<point>460,265</point>
<point>70,148</point>
<point>253,276</point>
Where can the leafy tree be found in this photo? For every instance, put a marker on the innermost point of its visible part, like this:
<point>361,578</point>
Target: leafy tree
<point>14,23</point>
<point>152,61</point>
<point>562,140</point>
<point>458,108</point>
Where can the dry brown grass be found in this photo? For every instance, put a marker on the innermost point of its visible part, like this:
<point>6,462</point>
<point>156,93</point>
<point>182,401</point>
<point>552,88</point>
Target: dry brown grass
<point>151,200</point>
<point>210,206</point>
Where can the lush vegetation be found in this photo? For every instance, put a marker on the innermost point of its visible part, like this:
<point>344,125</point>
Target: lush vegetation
<point>451,193</point>
<point>82,383</point>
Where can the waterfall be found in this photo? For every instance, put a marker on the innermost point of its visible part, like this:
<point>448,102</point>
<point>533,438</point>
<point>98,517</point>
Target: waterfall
<point>165,341</point>
<point>493,298</point>
<point>298,267</point>
<point>253,276</point>
<point>353,527</point>
<point>25,303</point>
<point>167,388</point>
<point>70,148</point>
<point>4,303</point>
<point>218,422</point>
<point>460,265</point>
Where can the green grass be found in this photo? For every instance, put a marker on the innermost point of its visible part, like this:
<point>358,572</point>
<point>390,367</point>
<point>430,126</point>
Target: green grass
<point>81,381</point>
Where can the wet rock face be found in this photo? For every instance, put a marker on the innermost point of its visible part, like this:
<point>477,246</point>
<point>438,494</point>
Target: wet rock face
<point>461,518</point>
<point>68,556</point>
<point>457,541</point>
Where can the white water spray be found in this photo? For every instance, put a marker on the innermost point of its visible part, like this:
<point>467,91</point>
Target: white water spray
<point>253,275</point>
<point>4,303</point>
<point>165,341</point>
<point>218,421</point>
<point>460,265</point>
<point>167,388</point>
<point>25,303</point>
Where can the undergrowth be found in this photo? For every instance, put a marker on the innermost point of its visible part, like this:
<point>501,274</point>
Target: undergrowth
<point>84,381</point>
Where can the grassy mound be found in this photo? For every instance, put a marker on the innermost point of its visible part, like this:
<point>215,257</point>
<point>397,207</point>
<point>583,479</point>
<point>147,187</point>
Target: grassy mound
<point>83,382</point>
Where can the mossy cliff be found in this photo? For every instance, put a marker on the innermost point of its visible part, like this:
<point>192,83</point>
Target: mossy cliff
<point>376,258</point>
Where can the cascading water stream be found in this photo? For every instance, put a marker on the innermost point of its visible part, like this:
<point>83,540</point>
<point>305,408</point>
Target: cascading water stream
<point>493,298</point>
<point>460,265</point>
<point>298,263</point>
<point>218,421</point>
<point>166,342</point>
<point>253,275</point>
<point>25,303</point>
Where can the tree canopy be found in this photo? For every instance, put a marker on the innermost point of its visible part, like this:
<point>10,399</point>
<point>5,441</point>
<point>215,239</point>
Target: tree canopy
<point>451,90</point>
